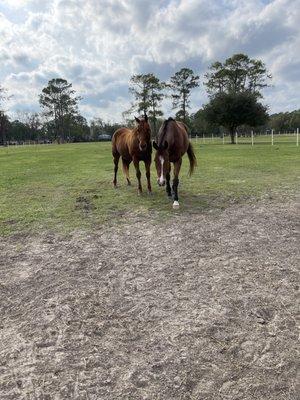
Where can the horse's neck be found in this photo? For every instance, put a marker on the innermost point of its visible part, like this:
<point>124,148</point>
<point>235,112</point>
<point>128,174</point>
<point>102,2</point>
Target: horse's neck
<point>167,135</point>
<point>134,132</point>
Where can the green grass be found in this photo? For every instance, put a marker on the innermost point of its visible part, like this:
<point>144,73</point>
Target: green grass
<point>64,187</point>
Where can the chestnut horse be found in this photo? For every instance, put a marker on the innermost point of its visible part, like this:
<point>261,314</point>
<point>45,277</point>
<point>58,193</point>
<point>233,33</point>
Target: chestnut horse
<point>133,145</point>
<point>172,143</point>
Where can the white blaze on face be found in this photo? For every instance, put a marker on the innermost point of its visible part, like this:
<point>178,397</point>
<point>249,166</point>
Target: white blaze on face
<point>161,178</point>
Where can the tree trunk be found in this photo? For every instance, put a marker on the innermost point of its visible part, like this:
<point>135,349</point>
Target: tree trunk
<point>232,132</point>
<point>154,121</point>
<point>183,108</point>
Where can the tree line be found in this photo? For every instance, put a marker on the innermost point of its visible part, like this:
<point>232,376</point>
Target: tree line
<point>234,89</point>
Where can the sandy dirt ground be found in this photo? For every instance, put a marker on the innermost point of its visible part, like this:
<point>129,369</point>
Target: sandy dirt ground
<point>198,307</point>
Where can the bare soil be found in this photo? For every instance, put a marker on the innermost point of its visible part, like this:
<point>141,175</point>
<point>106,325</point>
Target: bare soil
<point>197,307</point>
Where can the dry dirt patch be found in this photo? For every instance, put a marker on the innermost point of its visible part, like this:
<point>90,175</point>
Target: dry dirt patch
<point>194,308</point>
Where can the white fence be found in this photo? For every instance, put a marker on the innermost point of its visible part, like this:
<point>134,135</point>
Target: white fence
<point>272,138</point>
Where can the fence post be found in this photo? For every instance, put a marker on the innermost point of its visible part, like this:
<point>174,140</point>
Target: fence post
<point>252,138</point>
<point>236,138</point>
<point>196,138</point>
<point>223,139</point>
<point>272,136</point>
<point>297,140</point>
<point>203,138</point>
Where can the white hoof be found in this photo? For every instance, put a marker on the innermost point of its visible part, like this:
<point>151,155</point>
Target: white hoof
<point>175,204</point>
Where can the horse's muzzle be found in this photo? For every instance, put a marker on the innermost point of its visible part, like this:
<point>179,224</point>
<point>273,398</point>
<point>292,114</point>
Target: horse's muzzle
<point>161,182</point>
<point>143,147</point>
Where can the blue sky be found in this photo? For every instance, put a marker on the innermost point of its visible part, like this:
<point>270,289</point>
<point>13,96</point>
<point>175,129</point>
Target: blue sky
<point>98,44</point>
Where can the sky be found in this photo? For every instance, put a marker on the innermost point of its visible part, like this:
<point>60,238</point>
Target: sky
<point>99,44</point>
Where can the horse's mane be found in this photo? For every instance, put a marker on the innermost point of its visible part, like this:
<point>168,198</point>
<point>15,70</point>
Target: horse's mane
<point>163,130</point>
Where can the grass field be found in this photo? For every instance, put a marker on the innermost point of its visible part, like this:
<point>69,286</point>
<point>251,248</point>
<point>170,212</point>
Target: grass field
<point>63,187</point>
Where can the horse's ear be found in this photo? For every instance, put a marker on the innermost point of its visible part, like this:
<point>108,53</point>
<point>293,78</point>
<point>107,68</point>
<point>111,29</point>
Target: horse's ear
<point>166,145</point>
<point>137,120</point>
<point>146,117</point>
<point>155,145</point>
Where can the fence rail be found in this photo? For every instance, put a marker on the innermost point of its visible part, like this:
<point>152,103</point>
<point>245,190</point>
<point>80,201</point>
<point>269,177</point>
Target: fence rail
<point>272,138</point>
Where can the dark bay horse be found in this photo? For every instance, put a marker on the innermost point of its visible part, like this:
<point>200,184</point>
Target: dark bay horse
<point>133,145</point>
<point>172,143</point>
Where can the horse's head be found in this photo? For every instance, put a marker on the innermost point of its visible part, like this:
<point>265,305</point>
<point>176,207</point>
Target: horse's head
<point>143,132</point>
<point>161,162</point>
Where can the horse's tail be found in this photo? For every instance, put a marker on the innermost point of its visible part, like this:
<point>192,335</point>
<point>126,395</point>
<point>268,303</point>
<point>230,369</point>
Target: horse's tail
<point>192,158</point>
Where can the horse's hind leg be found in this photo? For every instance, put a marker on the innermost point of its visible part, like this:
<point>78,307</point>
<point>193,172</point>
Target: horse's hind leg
<point>116,156</point>
<point>177,166</point>
<point>125,164</point>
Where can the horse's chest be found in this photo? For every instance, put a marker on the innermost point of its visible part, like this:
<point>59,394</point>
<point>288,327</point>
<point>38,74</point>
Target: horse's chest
<point>141,155</point>
<point>174,155</point>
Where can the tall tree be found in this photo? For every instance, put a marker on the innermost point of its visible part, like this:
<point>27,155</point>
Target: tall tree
<point>60,103</point>
<point>147,90</point>
<point>237,74</point>
<point>234,109</point>
<point>181,85</point>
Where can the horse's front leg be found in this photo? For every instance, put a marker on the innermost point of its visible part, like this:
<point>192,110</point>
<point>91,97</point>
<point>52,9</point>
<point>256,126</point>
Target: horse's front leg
<point>136,164</point>
<point>147,167</point>
<point>177,166</point>
<point>168,177</point>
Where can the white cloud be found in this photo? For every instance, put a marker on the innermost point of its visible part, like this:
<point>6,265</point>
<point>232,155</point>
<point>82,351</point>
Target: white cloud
<point>99,44</point>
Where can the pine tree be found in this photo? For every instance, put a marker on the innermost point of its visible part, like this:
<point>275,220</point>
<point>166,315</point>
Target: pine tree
<point>181,84</point>
<point>59,102</point>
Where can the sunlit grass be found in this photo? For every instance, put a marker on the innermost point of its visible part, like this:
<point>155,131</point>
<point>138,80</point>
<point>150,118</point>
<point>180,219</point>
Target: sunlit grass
<point>63,187</point>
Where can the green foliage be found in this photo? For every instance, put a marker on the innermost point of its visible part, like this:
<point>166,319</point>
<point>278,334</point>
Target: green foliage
<point>18,131</point>
<point>200,125</point>
<point>60,103</point>
<point>79,131</point>
<point>147,91</point>
<point>181,85</point>
<point>237,74</point>
<point>285,121</point>
<point>233,109</point>
<point>4,122</point>
<point>100,127</point>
